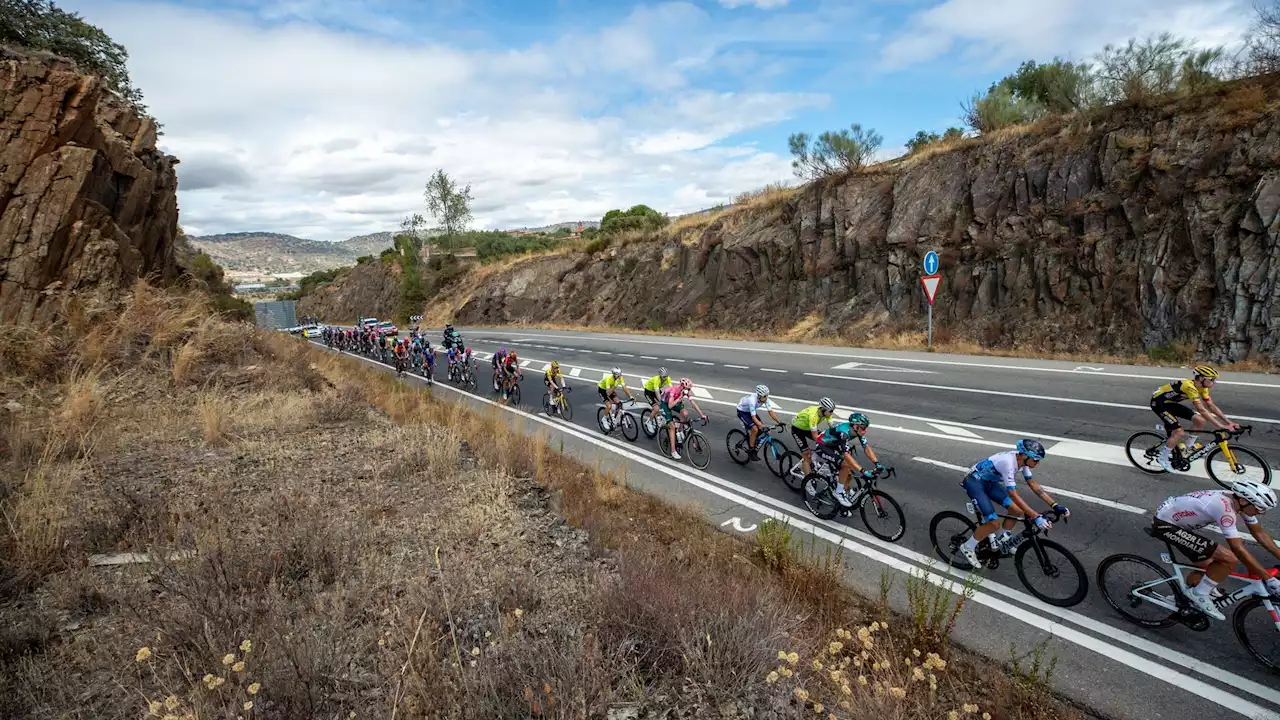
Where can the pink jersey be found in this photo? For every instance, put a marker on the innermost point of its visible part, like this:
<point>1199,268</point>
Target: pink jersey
<point>670,394</point>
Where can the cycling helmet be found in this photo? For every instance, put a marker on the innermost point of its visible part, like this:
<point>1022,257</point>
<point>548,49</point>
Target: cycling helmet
<point>827,404</point>
<point>686,386</point>
<point>1255,493</point>
<point>762,390</point>
<point>617,371</point>
<point>1031,448</point>
<point>858,418</point>
<point>512,355</point>
<point>555,365</point>
<point>1206,371</point>
<point>662,372</point>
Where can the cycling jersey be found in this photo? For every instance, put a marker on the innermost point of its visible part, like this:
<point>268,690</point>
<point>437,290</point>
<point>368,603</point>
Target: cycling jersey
<point>1000,468</point>
<point>1180,390</point>
<point>609,382</point>
<point>553,377</point>
<point>750,404</point>
<point>671,395</point>
<point>808,418</point>
<point>828,437</point>
<point>656,383</point>
<point>1202,507</point>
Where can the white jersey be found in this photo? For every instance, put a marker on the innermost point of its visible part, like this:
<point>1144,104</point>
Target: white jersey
<point>1203,507</point>
<point>1001,467</point>
<point>749,404</point>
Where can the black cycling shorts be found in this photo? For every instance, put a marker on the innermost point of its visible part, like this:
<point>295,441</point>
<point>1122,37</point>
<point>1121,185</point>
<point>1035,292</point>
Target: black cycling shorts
<point>803,438</point>
<point>1195,546</point>
<point>607,395</point>
<point>1169,412</point>
<point>651,396</point>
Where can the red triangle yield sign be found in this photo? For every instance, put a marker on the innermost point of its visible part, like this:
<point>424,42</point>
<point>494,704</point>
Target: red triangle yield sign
<point>930,283</point>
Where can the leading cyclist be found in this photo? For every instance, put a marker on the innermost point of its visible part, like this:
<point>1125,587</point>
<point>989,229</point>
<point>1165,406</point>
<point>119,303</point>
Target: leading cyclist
<point>1166,403</point>
<point>1179,516</point>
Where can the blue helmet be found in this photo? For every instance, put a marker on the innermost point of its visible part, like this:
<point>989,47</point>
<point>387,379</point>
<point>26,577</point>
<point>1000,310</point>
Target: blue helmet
<point>1031,448</point>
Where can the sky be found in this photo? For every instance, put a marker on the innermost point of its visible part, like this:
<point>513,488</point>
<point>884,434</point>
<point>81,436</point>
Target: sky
<point>324,118</point>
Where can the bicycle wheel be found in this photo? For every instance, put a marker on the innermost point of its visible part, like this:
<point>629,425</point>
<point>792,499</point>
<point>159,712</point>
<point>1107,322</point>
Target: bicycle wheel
<point>601,421</point>
<point>546,404</point>
<point>648,423</point>
<point>497,386</point>
<point>773,454</point>
<point>1141,447</point>
<point>736,442</point>
<point>515,395</point>
<point>566,408</point>
<point>818,496</point>
<point>662,437</point>
<point>890,524</point>
<point>630,430</point>
<point>948,530</point>
<point>1126,580</point>
<point>792,466</point>
<point>1249,466</point>
<point>1257,632</point>
<point>699,449</point>
<point>1055,563</point>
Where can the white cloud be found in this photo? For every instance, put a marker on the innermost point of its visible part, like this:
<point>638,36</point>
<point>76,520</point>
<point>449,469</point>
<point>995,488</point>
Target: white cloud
<point>292,127</point>
<point>1000,31</point>
<point>762,4</point>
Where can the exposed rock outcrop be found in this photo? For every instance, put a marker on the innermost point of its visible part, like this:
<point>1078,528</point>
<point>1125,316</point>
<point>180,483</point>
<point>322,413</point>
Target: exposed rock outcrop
<point>1134,228</point>
<point>87,202</point>
<point>370,289</point>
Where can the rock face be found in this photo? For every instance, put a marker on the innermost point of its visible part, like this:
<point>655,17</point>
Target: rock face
<point>368,289</point>
<point>1133,228</point>
<point>87,202</point>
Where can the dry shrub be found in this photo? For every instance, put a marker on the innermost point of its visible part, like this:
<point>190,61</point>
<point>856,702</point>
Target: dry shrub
<point>27,351</point>
<point>36,515</point>
<point>346,403</point>
<point>1248,97</point>
<point>189,355</point>
<point>212,413</point>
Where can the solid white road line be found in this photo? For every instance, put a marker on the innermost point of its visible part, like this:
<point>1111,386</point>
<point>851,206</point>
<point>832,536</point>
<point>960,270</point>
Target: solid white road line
<point>1003,393</point>
<point>1106,648</point>
<point>1079,370</point>
<point>1066,493</point>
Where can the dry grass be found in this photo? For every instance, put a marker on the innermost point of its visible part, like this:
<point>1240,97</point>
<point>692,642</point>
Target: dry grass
<point>326,541</point>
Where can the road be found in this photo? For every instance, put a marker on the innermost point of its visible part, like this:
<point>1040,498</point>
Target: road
<point>933,415</point>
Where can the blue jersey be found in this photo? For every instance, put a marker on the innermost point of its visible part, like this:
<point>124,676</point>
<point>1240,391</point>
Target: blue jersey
<point>1000,468</point>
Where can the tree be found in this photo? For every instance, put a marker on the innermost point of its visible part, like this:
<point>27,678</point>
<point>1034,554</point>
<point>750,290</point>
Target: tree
<point>639,217</point>
<point>1156,66</point>
<point>924,138</point>
<point>1262,46</point>
<point>450,206</point>
<point>408,242</point>
<point>833,152</point>
<point>999,108</point>
<point>1058,86</point>
<point>41,25</point>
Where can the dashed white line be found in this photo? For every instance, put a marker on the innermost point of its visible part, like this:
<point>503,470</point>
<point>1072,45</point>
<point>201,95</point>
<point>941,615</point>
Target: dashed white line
<point>648,357</point>
<point>672,359</point>
<point>626,355</point>
<point>699,362</point>
<point>737,367</point>
<point>771,370</point>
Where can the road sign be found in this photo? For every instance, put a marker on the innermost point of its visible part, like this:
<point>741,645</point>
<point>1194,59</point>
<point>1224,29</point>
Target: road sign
<point>931,283</point>
<point>931,264</point>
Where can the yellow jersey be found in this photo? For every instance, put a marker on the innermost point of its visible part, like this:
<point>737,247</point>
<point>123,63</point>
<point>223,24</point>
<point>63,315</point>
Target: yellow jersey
<point>1179,391</point>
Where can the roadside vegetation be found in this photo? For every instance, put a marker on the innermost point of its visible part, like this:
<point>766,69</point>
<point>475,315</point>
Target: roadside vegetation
<point>205,520</point>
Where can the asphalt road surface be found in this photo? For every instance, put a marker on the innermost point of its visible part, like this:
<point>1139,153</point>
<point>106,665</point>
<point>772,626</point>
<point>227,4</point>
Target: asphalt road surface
<point>932,416</point>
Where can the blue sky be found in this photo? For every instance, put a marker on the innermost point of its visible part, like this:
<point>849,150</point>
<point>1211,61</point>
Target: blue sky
<point>323,118</point>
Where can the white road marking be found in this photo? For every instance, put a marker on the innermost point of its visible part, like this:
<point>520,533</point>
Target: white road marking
<point>878,368</point>
<point>699,362</point>
<point>737,367</point>
<point>575,372</point>
<point>986,592</point>
<point>1003,393</point>
<point>672,359</point>
<point>700,394</point>
<point>992,366</point>
<point>648,357</point>
<point>546,367</point>
<point>525,363</point>
<point>771,370</point>
<point>954,430</point>
<point>626,355</point>
<point>737,525</point>
<point>604,352</point>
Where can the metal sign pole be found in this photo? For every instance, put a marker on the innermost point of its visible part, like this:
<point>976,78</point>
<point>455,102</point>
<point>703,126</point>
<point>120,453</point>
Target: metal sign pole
<point>930,326</point>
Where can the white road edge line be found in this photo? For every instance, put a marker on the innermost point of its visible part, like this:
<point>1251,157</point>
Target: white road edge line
<point>1106,649</point>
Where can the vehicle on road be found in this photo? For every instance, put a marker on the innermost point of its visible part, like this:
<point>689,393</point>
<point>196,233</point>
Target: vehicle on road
<point>1035,558</point>
<point>1147,595</point>
<point>388,327</point>
<point>313,332</point>
<point>1224,461</point>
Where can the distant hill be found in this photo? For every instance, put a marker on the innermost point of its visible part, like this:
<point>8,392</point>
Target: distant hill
<point>277,253</point>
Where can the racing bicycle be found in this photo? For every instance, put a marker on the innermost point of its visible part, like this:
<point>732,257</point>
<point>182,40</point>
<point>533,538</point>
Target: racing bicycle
<point>620,418</point>
<point>1132,584</point>
<point>1225,462</point>
<point>558,405</point>
<point>693,443</point>
<point>1034,556</point>
<point>819,486</point>
<point>739,445</point>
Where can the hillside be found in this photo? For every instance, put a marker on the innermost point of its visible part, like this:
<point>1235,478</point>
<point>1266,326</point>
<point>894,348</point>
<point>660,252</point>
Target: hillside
<point>1127,230</point>
<point>273,252</point>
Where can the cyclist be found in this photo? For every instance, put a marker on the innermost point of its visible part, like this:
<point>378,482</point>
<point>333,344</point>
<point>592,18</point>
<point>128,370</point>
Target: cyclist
<point>509,368</point>
<point>496,360</point>
<point>553,379</point>
<point>608,389</point>
<point>994,480</point>
<point>1176,519</point>
<point>451,353</point>
<point>653,386</point>
<point>429,358</point>
<point>804,427</point>
<point>673,398</point>
<point>1166,403</point>
<point>748,406</point>
<point>854,428</point>
<point>402,356</point>
<point>452,338</point>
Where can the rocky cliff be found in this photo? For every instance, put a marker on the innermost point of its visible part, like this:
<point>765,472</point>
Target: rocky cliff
<point>87,202</point>
<point>368,289</point>
<point>1128,229</point>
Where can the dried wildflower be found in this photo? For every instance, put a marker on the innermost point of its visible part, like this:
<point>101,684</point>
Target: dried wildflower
<point>246,646</point>
<point>143,654</point>
<point>238,667</point>
<point>802,693</point>
<point>475,651</point>
<point>969,708</point>
<point>875,667</point>
<point>817,708</point>
<point>917,674</point>
<point>846,690</point>
<point>153,706</point>
<point>817,665</point>
<point>862,680</point>
<point>835,647</point>
<point>228,659</point>
<point>793,658</point>
<point>248,705</point>
<point>986,716</point>
<point>835,676</point>
<point>953,715</point>
<point>898,692</point>
<point>782,654</point>
<point>875,626</point>
<point>519,612</point>
<point>254,688</point>
<point>771,677</point>
<point>785,672</point>
<point>171,702</point>
<point>206,679</point>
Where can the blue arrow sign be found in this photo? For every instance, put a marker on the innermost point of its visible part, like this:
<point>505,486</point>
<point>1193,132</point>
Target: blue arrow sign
<point>931,263</point>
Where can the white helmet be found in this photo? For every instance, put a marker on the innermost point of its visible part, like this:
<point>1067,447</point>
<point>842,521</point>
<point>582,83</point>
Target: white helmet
<point>1255,493</point>
<point>827,404</point>
<point>617,372</point>
<point>762,390</point>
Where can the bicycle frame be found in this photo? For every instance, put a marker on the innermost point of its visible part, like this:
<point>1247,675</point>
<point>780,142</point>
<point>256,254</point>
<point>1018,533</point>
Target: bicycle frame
<point>1221,439</point>
<point>1253,587</point>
